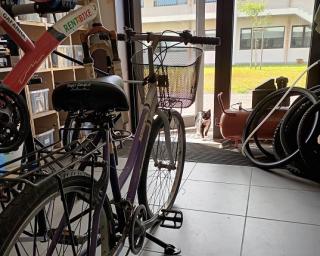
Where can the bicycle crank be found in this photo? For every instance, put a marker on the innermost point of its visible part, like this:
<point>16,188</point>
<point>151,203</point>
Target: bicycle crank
<point>137,232</point>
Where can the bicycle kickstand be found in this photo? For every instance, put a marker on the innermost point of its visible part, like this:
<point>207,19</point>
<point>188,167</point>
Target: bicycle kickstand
<point>169,249</point>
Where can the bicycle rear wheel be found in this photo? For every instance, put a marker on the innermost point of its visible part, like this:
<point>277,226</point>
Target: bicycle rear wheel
<point>29,223</point>
<point>159,182</point>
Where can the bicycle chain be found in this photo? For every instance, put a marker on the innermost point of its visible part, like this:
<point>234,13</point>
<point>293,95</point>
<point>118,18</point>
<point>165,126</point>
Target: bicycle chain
<point>130,216</point>
<point>128,209</point>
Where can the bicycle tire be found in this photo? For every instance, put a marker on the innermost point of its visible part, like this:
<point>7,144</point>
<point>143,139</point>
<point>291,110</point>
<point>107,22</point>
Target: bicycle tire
<point>155,143</point>
<point>278,151</point>
<point>16,217</point>
<point>288,137</point>
<point>68,135</point>
<point>309,147</point>
<point>289,131</point>
<point>289,127</point>
<point>261,108</point>
<point>268,155</point>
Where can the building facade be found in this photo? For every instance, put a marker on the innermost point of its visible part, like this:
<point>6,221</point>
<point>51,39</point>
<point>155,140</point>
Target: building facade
<point>284,36</point>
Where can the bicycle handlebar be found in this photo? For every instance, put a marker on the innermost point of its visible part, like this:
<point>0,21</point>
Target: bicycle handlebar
<point>205,40</point>
<point>23,9</point>
<point>184,37</point>
<point>42,7</point>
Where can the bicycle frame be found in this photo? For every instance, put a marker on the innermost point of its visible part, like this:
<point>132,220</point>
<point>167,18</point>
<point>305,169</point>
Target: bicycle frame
<point>137,152</point>
<point>35,53</point>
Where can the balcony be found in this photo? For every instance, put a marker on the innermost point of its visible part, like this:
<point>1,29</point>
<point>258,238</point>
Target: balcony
<point>159,3</point>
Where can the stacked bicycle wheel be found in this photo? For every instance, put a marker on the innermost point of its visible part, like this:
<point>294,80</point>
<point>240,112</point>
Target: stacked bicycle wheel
<point>296,140</point>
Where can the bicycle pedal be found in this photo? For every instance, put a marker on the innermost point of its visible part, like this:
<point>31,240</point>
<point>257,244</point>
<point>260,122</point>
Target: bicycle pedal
<point>66,237</point>
<point>171,219</point>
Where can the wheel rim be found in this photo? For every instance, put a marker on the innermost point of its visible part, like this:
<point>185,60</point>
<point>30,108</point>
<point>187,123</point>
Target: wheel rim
<point>162,181</point>
<point>26,242</point>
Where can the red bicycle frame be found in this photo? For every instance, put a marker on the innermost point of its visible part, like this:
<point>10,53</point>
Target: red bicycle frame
<point>35,53</point>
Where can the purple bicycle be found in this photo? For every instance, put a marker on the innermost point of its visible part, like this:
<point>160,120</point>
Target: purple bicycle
<point>71,203</point>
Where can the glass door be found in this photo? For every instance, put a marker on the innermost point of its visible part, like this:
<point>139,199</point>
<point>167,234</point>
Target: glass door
<point>269,41</point>
<point>198,17</point>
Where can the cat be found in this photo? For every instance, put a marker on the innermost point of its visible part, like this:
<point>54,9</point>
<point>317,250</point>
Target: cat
<point>203,122</point>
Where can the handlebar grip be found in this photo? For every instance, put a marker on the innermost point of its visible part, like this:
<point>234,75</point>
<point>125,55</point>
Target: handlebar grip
<point>205,40</point>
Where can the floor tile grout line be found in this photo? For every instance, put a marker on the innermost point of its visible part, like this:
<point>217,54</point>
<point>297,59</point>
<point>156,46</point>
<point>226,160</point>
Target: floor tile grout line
<point>286,221</point>
<point>245,218</point>
<point>220,213</point>
<point>184,180</point>
<point>294,189</point>
<point>220,182</point>
<point>252,185</point>
<point>216,164</point>
<point>209,163</point>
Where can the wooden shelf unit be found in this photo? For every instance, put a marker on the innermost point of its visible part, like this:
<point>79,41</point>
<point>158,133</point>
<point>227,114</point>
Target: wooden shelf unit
<point>51,76</point>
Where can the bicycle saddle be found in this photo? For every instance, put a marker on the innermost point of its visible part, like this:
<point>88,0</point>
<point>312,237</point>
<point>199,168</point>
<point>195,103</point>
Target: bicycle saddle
<point>100,94</point>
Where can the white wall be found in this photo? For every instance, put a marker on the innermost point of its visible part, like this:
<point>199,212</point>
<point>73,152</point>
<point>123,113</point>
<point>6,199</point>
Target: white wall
<point>298,53</point>
<point>306,5</point>
<point>272,4</point>
<point>269,56</point>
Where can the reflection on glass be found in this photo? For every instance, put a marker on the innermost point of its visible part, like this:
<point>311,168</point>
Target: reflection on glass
<point>278,43</point>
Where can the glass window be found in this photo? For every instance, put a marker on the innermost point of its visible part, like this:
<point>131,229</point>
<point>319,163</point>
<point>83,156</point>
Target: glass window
<point>273,38</point>
<point>169,2</point>
<point>301,36</point>
<point>245,38</point>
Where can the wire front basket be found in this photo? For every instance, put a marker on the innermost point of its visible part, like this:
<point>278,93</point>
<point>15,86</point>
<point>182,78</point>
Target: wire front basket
<point>177,70</point>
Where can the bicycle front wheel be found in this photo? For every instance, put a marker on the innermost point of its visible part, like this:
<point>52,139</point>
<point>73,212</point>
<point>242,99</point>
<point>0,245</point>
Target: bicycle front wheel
<point>160,179</point>
<point>29,224</point>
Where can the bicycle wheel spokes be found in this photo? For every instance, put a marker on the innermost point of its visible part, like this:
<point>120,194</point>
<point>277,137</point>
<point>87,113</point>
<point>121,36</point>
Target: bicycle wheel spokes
<point>37,237</point>
<point>161,177</point>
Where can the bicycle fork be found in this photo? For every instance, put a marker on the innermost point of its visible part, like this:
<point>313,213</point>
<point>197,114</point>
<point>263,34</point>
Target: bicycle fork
<point>167,135</point>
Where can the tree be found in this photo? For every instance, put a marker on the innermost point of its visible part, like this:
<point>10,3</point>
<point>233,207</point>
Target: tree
<point>254,10</point>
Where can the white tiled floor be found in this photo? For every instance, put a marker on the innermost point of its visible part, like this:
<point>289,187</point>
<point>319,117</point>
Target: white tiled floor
<point>244,211</point>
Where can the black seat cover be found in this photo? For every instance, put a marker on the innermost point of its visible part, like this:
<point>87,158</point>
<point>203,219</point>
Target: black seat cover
<point>100,94</point>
